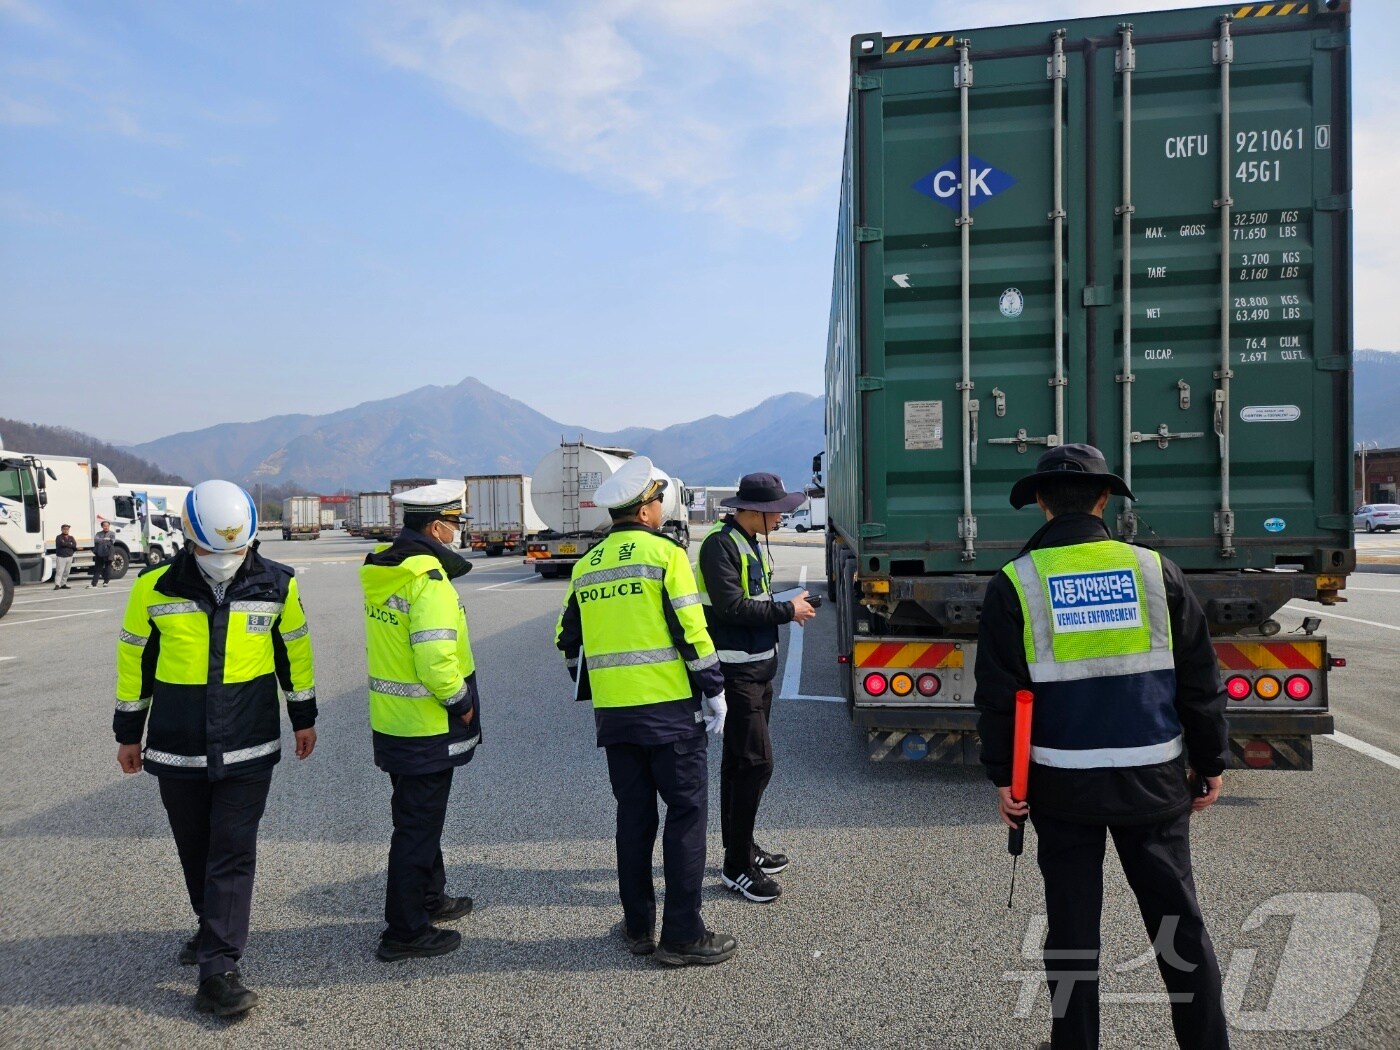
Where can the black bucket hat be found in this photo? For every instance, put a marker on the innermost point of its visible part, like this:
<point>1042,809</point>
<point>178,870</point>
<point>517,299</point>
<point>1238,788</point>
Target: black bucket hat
<point>764,493</point>
<point>1072,460</point>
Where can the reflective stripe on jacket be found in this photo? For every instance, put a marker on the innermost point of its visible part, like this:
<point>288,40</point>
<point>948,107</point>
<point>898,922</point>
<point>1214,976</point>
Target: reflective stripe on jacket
<point>1098,645</point>
<point>633,609</point>
<point>421,670</point>
<point>736,590</point>
<point>200,678</point>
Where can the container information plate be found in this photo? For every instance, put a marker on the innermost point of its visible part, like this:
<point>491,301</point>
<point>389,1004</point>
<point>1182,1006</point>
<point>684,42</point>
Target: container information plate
<point>923,425</point>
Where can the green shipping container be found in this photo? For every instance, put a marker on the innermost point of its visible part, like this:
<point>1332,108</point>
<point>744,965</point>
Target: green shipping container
<point>1130,231</point>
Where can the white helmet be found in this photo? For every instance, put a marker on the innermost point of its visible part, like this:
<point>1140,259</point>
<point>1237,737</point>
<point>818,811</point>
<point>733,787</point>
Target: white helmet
<point>220,516</point>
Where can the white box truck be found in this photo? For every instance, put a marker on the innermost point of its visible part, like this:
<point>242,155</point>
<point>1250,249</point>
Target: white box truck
<point>502,515</point>
<point>376,523</point>
<point>301,518</point>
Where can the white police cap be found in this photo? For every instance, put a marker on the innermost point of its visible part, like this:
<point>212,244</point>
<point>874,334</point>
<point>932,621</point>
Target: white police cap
<point>633,484</point>
<point>443,499</point>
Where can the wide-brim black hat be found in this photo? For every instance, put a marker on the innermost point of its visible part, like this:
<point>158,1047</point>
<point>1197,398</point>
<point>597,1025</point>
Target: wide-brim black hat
<point>763,493</point>
<point>1068,461</point>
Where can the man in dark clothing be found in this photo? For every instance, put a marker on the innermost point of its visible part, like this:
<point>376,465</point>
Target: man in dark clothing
<point>1127,690</point>
<point>102,545</point>
<point>736,589</point>
<point>65,547</point>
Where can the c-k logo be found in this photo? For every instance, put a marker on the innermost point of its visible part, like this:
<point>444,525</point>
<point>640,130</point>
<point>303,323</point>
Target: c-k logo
<point>944,184</point>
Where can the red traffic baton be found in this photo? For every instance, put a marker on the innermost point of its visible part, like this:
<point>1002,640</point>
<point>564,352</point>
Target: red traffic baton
<point>1020,777</point>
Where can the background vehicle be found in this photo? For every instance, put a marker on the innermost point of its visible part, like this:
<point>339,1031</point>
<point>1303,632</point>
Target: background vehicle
<point>1378,517</point>
<point>502,515</point>
<point>403,485</point>
<point>23,499</point>
<point>375,519</point>
<point>159,510</point>
<point>301,518</point>
<point>1169,281</point>
<point>562,493</point>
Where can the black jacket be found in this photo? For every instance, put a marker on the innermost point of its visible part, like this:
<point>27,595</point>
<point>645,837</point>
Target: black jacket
<point>102,544</point>
<point>735,620</point>
<point>65,546</point>
<point>1138,795</point>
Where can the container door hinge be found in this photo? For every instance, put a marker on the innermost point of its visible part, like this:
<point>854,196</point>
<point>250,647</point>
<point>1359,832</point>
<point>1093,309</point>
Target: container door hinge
<point>1184,400</point>
<point>869,383</point>
<point>1163,436</point>
<point>864,83</point>
<point>1334,521</point>
<point>1022,440</point>
<point>999,396</point>
<point>869,233</point>
<point>1334,363</point>
<point>870,530</point>
<point>1098,295</point>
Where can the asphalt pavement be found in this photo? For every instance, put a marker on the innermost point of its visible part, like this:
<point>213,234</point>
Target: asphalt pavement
<point>892,930</point>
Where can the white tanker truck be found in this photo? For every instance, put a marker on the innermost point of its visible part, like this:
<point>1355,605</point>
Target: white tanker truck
<point>562,494</point>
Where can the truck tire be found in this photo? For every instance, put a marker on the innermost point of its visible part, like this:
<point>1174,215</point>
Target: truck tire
<point>495,552</point>
<point>120,561</point>
<point>155,556</point>
<point>286,534</point>
<point>7,590</point>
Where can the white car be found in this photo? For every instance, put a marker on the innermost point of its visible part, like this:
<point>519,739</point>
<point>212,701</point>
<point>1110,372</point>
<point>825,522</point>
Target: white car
<point>1378,517</point>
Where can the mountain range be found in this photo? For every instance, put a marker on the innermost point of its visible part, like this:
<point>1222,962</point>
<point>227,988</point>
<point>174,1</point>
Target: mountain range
<point>469,428</point>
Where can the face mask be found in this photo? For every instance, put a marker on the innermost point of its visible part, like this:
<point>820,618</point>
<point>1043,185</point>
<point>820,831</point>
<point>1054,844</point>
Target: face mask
<point>455,540</point>
<point>221,567</point>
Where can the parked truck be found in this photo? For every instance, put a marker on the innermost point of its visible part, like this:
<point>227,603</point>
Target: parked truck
<point>376,522</point>
<point>1129,231</point>
<point>562,493</point>
<point>159,516</point>
<point>502,516</point>
<point>403,485</point>
<point>301,518</point>
<point>23,499</point>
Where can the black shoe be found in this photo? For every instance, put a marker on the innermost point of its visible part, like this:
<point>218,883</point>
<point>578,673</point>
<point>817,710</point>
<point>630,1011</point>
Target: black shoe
<point>753,884</point>
<point>451,908</point>
<point>708,950</point>
<point>57,587</point>
<point>432,942</point>
<point>65,587</point>
<point>188,949</point>
<point>223,995</point>
<point>769,863</point>
<point>642,944</point>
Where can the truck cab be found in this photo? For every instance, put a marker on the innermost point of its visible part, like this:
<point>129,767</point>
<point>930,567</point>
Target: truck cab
<point>23,496</point>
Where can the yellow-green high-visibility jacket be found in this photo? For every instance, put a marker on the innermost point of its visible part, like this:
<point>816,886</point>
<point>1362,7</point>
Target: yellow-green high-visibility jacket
<point>633,609</point>
<point>422,678</point>
<point>736,590</point>
<point>199,677</point>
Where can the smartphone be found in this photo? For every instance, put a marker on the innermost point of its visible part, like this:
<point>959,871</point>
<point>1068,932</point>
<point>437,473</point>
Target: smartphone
<point>814,600</point>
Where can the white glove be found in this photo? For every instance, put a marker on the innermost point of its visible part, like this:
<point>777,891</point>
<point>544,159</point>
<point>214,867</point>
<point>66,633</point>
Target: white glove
<point>713,708</point>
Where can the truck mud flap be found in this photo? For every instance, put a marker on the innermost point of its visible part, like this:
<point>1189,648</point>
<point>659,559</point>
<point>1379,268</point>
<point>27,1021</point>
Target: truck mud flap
<point>1257,752</point>
<point>940,746</point>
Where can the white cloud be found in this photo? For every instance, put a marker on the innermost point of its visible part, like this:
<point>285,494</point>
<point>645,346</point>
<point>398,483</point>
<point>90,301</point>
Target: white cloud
<point>17,112</point>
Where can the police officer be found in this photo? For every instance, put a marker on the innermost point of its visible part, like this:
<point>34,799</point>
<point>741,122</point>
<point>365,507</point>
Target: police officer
<point>1116,650</point>
<point>634,639</point>
<point>736,589</point>
<point>423,710</point>
<point>206,640</point>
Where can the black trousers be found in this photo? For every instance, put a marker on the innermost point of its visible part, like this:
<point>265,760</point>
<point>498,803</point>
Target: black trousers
<point>215,824</point>
<point>101,570</point>
<point>746,768</point>
<point>1156,859</point>
<point>679,773</point>
<point>417,879</point>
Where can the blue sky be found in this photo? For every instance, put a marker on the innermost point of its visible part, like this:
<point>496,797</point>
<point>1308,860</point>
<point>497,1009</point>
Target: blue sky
<point>618,211</point>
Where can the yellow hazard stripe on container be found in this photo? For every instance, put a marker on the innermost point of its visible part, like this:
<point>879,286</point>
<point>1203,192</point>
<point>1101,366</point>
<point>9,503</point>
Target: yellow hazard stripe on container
<point>920,43</point>
<point>1264,10</point>
<point>908,654</point>
<point>1273,656</point>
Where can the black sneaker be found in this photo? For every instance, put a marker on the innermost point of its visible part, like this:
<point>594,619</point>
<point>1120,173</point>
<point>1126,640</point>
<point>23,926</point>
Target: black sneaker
<point>769,863</point>
<point>642,944</point>
<point>708,950</point>
<point>451,908</point>
<point>753,884</point>
<point>188,949</point>
<point>432,942</point>
<point>223,995</point>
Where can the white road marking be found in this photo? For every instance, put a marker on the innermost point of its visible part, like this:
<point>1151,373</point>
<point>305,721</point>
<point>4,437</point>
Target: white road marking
<point>1339,616</point>
<point>1376,590</point>
<point>508,583</point>
<point>792,668</point>
<point>4,658</point>
<point>1370,750</point>
<point>41,619</point>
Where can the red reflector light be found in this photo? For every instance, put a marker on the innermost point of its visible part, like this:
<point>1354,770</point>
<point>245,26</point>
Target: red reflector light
<point>1337,661</point>
<point>875,684</point>
<point>843,659</point>
<point>1238,687</point>
<point>929,684</point>
<point>1298,687</point>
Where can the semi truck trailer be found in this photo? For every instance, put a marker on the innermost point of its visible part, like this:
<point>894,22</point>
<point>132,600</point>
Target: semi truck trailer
<point>1131,231</point>
<point>301,518</point>
<point>502,516</point>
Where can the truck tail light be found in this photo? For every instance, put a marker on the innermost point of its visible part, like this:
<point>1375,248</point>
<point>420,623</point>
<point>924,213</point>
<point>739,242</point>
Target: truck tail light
<point>1268,687</point>
<point>929,685</point>
<point>1298,687</point>
<point>1238,687</point>
<point>875,684</point>
<point>902,685</point>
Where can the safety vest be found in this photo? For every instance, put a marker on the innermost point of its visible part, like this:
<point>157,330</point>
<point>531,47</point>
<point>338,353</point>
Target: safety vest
<point>418,651</point>
<point>736,643</point>
<point>623,589</point>
<point>203,677</point>
<point>1099,647</point>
